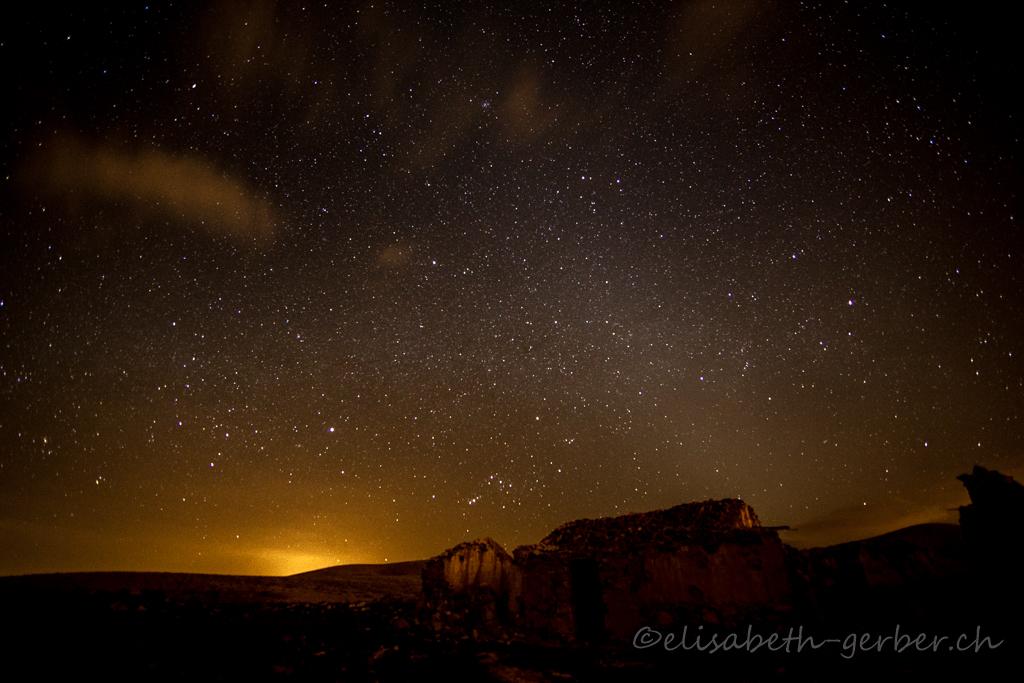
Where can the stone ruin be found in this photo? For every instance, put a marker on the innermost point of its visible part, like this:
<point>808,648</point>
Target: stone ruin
<point>712,563</point>
<point>467,587</point>
<point>598,580</point>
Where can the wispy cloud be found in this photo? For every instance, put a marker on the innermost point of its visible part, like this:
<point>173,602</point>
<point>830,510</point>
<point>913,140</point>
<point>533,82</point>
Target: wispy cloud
<point>152,181</point>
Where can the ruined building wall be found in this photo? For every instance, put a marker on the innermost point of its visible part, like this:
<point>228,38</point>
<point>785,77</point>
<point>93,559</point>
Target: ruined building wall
<point>648,585</point>
<point>479,564</point>
<point>600,579</point>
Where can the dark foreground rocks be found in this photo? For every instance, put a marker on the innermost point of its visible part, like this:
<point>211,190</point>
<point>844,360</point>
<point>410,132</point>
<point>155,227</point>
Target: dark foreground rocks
<point>144,636</point>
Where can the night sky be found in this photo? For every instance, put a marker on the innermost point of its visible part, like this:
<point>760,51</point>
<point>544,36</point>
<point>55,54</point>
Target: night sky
<point>287,286</point>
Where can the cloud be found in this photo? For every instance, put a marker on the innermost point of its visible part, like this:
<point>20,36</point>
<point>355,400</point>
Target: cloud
<point>394,255</point>
<point>932,504</point>
<point>523,110</point>
<point>859,522</point>
<point>247,44</point>
<point>150,181</point>
<point>708,47</point>
<point>704,31</point>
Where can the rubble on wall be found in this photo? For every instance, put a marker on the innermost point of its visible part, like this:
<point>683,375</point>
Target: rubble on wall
<point>682,522</point>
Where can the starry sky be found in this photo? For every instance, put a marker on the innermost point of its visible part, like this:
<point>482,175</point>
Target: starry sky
<point>288,285</point>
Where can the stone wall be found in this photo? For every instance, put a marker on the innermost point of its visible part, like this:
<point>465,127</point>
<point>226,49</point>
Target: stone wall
<point>599,579</point>
<point>479,564</point>
<point>715,575</point>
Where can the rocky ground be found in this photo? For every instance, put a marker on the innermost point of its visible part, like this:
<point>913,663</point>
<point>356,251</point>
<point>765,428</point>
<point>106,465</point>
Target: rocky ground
<point>145,634</point>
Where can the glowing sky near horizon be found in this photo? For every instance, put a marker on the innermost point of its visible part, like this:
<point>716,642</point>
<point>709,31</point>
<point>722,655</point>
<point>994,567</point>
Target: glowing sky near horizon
<point>286,286</point>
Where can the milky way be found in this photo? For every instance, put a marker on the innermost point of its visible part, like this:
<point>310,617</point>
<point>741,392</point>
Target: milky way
<point>290,286</point>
